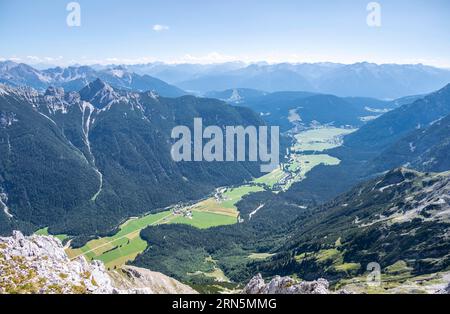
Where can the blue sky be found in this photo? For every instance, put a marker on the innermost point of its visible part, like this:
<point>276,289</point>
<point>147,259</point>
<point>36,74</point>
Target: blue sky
<point>205,31</point>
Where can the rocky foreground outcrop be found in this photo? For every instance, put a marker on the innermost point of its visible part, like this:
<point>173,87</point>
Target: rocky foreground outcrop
<point>39,264</point>
<point>132,278</point>
<point>285,285</point>
<point>445,290</point>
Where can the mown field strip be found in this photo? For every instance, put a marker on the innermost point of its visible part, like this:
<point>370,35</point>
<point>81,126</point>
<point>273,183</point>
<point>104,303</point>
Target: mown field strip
<point>117,239</point>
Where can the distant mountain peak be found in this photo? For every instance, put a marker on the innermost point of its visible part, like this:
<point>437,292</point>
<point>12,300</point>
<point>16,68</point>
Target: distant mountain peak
<point>98,84</point>
<point>7,65</point>
<point>54,91</point>
<point>99,93</point>
<point>118,71</point>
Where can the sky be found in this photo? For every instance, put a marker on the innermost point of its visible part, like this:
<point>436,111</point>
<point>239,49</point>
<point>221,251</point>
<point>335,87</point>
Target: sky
<point>213,31</point>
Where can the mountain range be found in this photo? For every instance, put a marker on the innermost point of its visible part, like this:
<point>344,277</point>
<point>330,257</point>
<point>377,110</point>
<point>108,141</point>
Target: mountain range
<point>383,81</point>
<point>305,109</point>
<point>74,78</point>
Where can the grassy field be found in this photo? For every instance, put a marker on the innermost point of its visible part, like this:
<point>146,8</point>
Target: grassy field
<point>227,204</point>
<point>126,244</point>
<point>234,195</point>
<point>123,246</point>
<point>203,220</point>
<point>320,139</point>
<point>216,272</point>
<point>296,170</point>
<point>271,178</point>
<point>299,163</point>
<point>260,256</point>
<point>305,163</point>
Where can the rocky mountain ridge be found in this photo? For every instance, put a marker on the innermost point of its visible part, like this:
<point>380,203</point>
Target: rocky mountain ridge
<point>74,78</point>
<point>39,265</point>
<point>285,285</point>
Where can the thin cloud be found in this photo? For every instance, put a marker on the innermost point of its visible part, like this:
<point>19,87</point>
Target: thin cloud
<point>160,28</point>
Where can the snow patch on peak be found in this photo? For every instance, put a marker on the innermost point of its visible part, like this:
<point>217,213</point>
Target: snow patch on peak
<point>54,91</point>
<point>21,91</point>
<point>99,94</point>
<point>118,73</point>
<point>235,96</point>
<point>4,90</point>
<point>55,100</point>
<point>154,95</point>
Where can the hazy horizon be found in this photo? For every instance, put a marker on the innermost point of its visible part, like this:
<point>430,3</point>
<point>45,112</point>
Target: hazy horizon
<point>43,65</point>
<point>195,32</point>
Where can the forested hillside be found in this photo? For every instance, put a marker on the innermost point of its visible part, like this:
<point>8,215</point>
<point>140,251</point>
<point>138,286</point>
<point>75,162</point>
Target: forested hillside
<point>107,154</point>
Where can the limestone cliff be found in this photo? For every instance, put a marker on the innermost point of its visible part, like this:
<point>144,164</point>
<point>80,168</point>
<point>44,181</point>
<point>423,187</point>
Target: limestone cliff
<point>285,285</point>
<point>39,265</point>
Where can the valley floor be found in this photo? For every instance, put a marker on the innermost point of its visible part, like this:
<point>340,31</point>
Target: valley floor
<point>218,209</point>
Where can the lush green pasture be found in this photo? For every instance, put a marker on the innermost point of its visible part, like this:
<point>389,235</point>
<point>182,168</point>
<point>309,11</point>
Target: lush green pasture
<point>123,246</point>
<point>259,256</point>
<point>226,204</point>
<point>302,164</point>
<point>126,244</point>
<point>234,195</point>
<point>271,178</point>
<point>203,220</point>
<point>307,162</point>
<point>320,139</point>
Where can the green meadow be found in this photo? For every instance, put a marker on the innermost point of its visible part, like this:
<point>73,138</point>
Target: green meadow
<point>271,178</point>
<point>203,220</point>
<point>320,139</point>
<point>125,245</point>
<point>234,195</point>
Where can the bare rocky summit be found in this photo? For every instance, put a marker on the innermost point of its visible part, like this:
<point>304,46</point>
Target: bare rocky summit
<point>285,285</point>
<point>131,278</point>
<point>39,265</point>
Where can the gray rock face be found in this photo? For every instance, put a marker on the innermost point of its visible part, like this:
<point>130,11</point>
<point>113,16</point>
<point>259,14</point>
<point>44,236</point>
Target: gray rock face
<point>444,291</point>
<point>285,285</point>
<point>146,281</point>
<point>39,265</point>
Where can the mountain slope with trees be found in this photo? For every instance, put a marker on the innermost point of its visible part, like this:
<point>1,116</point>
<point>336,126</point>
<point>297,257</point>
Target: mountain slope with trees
<point>106,152</point>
